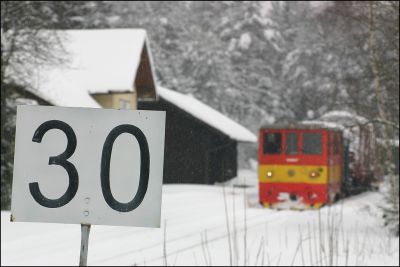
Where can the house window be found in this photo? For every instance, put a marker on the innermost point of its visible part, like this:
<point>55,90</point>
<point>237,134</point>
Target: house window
<point>124,104</point>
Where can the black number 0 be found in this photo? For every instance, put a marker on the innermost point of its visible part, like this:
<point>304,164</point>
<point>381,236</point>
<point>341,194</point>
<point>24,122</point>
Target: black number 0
<point>144,168</point>
<point>104,170</point>
<point>57,160</point>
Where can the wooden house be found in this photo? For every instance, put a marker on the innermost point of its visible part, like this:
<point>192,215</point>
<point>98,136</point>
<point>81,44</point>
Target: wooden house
<point>200,142</point>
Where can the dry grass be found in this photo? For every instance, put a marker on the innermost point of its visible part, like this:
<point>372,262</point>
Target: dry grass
<point>323,241</point>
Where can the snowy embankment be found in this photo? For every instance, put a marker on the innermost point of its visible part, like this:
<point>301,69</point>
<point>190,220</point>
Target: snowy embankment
<point>348,233</point>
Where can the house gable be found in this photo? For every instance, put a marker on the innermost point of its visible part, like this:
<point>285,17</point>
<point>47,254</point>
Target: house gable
<point>144,81</point>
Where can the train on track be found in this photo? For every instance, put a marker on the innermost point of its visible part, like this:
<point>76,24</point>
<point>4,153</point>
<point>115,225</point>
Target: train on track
<point>314,163</point>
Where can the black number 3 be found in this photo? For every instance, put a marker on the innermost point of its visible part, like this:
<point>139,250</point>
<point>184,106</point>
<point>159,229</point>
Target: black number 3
<point>57,160</point>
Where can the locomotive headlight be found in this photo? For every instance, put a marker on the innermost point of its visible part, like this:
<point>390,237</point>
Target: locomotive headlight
<point>312,195</point>
<point>313,174</point>
<point>269,174</point>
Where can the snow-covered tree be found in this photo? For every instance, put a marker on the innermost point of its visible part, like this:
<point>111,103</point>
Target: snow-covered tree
<point>366,37</point>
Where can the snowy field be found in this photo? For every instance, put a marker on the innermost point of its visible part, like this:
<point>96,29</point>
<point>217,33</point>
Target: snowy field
<point>196,233</point>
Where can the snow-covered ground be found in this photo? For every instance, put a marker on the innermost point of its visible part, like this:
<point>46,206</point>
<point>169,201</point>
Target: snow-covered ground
<point>194,220</point>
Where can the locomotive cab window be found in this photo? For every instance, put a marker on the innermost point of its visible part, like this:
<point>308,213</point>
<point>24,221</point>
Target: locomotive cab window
<point>292,143</point>
<point>312,143</point>
<point>336,140</point>
<point>272,143</point>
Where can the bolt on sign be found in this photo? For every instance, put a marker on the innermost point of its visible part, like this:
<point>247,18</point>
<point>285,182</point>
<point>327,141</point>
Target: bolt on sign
<point>88,166</point>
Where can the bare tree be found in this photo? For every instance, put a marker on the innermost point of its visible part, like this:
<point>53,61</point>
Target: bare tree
<point>26,42</point>
<point>386,87</point>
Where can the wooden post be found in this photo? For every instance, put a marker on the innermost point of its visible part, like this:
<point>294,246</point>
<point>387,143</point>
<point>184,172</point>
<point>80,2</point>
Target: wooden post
<point>85,229</point>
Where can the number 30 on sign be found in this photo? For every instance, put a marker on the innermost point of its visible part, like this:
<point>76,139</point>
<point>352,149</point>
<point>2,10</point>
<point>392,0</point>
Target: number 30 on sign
<point>88,166</point>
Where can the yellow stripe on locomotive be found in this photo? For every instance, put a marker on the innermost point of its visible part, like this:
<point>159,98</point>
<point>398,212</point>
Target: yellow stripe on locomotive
<point>313,174</point>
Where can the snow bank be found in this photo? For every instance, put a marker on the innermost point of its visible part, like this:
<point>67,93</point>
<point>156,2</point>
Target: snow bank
<point>196,234</point>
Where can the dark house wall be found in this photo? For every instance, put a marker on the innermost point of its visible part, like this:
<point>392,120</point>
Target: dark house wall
<point>194,151</point>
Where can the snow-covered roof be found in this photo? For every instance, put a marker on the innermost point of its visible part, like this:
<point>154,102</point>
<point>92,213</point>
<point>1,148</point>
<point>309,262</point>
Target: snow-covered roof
<point>207,114</point>
<point>323,124</point>
<point>343,115</point>
<point>98,61</point>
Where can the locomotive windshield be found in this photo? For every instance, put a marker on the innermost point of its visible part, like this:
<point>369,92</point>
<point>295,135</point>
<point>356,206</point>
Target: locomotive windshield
<point>312,143</point>
<point>291,143</point>
<point>272,143</point>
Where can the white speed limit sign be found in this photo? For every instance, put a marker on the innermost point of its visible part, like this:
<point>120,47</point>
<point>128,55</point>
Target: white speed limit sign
<point>88,166</point>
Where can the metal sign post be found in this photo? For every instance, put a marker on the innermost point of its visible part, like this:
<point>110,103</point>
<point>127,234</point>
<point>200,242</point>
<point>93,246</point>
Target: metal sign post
<point>85,230</point>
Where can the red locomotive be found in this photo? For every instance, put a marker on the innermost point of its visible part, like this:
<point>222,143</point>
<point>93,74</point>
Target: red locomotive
<point>299,164</point>
<point>311,164</point>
